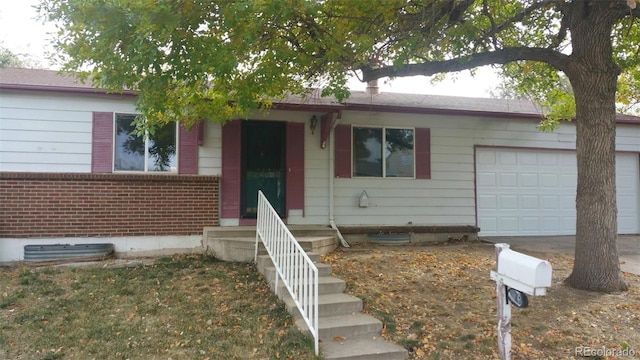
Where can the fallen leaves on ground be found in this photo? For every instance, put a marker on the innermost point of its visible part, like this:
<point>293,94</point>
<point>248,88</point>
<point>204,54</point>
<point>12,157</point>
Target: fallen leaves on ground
<point>439,302</point>
<point>182,307</point>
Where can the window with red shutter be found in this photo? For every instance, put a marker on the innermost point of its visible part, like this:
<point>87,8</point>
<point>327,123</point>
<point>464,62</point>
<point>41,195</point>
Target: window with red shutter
<point>382,152</point>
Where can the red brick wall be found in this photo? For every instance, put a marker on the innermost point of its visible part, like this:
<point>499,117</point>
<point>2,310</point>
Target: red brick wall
<point>79,205</point>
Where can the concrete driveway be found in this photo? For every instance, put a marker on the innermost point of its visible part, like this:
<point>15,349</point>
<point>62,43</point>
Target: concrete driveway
<point>628,247</point>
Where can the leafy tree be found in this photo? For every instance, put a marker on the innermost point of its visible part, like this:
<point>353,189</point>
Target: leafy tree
<point>219,59</point>
<point>10,59</point>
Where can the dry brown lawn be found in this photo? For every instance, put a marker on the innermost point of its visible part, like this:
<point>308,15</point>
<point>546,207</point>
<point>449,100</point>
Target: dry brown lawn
<point>439,302</point>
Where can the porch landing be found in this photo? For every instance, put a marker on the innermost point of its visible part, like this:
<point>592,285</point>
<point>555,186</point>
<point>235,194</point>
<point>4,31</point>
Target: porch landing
<point>237,243</point>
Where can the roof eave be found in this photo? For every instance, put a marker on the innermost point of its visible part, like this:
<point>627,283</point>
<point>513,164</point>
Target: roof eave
<point>63,89</point>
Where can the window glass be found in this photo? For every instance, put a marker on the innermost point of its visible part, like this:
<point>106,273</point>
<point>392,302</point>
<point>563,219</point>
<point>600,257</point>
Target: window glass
<point>369,159</point>
<point>129,149</point>
<point>135,153</point>
<point>367,151</point>
<point>399,152</point>
<point>162,149</point>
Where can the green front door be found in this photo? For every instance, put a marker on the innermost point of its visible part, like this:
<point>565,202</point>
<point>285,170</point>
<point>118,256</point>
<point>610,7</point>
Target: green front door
<point>263,166</point>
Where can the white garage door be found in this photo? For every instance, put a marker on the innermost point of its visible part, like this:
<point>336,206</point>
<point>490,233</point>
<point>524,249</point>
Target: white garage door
<point>532,192</point>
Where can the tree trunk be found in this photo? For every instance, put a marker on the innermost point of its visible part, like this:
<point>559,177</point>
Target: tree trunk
<point>593,75</point>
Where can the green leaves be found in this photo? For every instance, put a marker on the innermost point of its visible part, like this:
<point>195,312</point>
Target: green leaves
<point>220,59</point>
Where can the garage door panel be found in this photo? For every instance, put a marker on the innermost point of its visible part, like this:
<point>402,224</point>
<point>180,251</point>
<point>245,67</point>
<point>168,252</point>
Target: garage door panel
<point>508,202</point>
<point>550,202</point>
<point>487,180</point>
<point>505,158</point>
<point>568,181</point>
<point>530,224</point>
<point>549,159</point>
<point>487,202</point>
<point>508,180</point>
<point>529,202</point>
<point>529,180</point>
<point>532,192</point>
<point>568,225</point>
<point>549,180</point>
<point>508,224</point>
<point>568,202</point>
<point>550,222</point>
<point>527,158</point>
<point>568,160</point>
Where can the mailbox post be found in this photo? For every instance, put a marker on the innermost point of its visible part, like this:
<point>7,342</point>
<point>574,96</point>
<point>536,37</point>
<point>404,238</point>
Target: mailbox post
<point>516,276</point>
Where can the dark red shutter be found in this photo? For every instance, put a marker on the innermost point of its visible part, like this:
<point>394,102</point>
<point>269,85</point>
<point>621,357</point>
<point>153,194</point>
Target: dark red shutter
<point>231,158</point>
<point>423,153</point>
<point>295,166</point>
<point>343,151</point>
<point>187,150</point>
<point>102,143</point>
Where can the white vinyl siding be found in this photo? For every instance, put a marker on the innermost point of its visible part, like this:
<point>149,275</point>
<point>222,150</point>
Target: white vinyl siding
<point>50,133</point>
<point>448,198</point>
<point>210,152</point>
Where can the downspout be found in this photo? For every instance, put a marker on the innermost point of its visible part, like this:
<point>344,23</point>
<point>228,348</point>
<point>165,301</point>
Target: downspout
<point>332,153</point>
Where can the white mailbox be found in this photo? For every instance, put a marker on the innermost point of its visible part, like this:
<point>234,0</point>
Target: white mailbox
<point>523,272</point>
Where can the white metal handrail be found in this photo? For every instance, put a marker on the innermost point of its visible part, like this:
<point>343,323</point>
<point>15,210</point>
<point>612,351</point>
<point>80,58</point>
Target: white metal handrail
<point>298,273</point>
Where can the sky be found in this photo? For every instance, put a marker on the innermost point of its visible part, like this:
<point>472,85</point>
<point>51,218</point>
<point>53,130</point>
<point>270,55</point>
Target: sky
<point>21,33</point>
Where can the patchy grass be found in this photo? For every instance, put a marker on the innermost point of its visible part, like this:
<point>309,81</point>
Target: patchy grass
<point>439,302</point>
<point>183,307</point>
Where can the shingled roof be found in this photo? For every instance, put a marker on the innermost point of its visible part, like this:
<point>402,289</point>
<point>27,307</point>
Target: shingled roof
<point>45,80</point>
<point>49,80</point>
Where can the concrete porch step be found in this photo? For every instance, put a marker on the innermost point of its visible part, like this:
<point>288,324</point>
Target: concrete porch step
<point>366,348</point>
<point>328,304</point>
<point>264,260</point>
<point>344,332</point>
<point>269,272</point>
<point>242,248</point>
<point>347,326</point>
<point>248,231</point>
<point>326,285</point>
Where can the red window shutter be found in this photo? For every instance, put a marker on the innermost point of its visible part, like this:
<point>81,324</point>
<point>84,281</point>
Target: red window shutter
<point>295,166</point>
<point>343,151</point>
<point>231,166</point>
<point>102,143</point>
<point>188,150</point>
<point>423,153</point>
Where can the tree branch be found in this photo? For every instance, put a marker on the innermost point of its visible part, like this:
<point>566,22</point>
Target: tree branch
<point>551,57</point>
<point>625,10</point>
<point>517,18</point>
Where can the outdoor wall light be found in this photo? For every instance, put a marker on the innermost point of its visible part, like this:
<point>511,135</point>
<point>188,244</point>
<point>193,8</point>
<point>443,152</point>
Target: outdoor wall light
<point>313,123</point>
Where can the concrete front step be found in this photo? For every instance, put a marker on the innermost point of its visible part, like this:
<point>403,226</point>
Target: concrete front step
<point>326,285</point>
<point>212,232</point>
<point>328,304</point>
<point>242,249</point>
<point>264,260</point>
<point>365,348</point>
<point>346,326</point>
<point>269,272</point>
<point>339,317</point>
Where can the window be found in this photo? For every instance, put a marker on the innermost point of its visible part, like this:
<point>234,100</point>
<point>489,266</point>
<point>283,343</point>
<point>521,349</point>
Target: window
<point>383,152</point>
<point>154,153</point>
